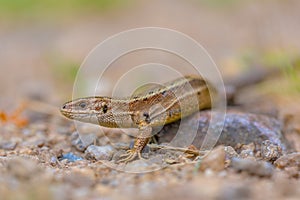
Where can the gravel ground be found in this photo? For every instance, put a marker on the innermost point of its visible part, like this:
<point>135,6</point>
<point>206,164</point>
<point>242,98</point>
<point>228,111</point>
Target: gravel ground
<point>45,156</point>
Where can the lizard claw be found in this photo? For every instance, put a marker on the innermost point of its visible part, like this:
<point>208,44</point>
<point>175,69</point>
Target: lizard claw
<point>130,155</point>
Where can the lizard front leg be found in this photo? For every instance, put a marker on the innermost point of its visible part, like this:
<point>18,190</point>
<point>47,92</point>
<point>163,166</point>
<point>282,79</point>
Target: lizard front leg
<point>140,142</point>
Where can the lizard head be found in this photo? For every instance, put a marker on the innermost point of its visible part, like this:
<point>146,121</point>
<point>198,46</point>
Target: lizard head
<point>86,109</point>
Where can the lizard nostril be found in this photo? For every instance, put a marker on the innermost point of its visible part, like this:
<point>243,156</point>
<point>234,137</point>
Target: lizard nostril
<point>64,107</point>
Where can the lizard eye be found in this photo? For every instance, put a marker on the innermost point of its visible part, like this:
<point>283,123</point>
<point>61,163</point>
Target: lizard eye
<point>82,104</point>
<point>105,108</point>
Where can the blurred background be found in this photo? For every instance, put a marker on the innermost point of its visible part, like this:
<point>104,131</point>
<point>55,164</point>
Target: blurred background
<point>43,43</point>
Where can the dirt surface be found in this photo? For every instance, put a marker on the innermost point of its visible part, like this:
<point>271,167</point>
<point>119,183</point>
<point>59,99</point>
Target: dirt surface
<point>45,156</point>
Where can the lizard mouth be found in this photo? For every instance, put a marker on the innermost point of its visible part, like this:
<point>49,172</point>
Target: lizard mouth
<point>79,115</point>
<point>73,113</point>
<point>66,113</point>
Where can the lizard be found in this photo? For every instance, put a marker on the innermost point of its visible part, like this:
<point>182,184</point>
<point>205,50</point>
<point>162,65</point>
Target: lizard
<point>157,106</point>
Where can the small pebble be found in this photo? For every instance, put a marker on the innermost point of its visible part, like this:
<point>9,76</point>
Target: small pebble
<point>70,157</point>
<point>246,150</point>
<point>215,160</point>
<point>40,143</point>
<point>8,145</point>
<point>99,152</point>
<point>81,142</point>
<point>259,168</point>
<point>270,151</point>
<point>290,163</point>
<point>246,153</point>
<point>230,152</point>
<point>53,160</point>
<point>289,160</point>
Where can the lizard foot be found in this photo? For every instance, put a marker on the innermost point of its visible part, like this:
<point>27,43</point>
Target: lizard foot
<point>130,155</point>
